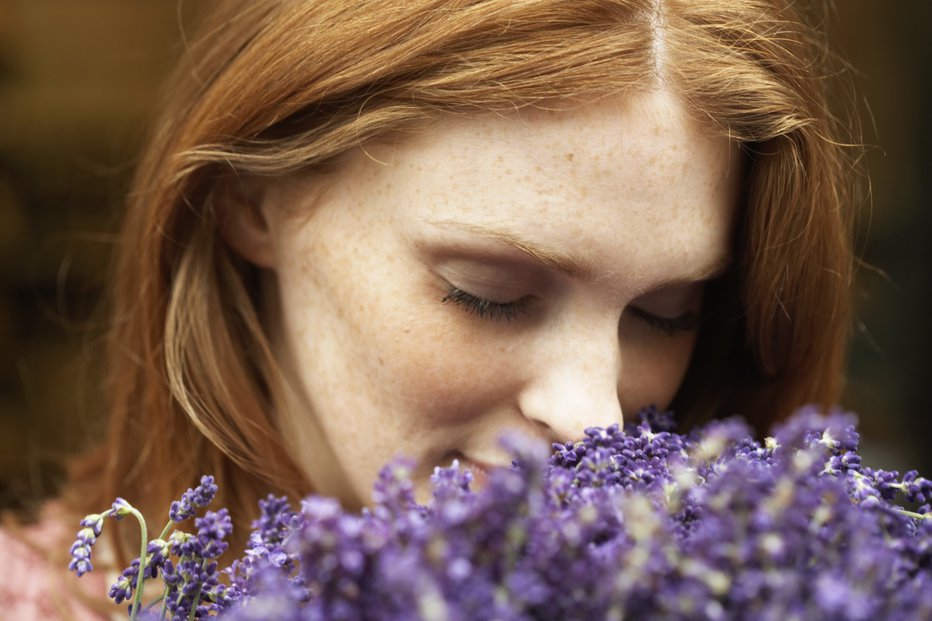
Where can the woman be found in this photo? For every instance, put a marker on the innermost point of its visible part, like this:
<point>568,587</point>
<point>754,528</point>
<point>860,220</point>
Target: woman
<point>370,228</point>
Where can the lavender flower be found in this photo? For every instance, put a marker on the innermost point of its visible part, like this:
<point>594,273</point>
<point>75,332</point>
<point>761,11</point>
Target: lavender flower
<point>193,499</point>
<point>265,553</point>
<point>81,548</point>
<point>192,583</point>
<point>192,586</point>
<point>640,523</point>
<point>633,523</point>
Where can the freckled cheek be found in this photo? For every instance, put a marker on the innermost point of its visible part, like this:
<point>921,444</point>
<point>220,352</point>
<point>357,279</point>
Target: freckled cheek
<point>442,372</point>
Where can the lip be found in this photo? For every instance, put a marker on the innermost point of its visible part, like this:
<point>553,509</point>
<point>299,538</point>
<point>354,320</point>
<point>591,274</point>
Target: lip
<point>480,471</point>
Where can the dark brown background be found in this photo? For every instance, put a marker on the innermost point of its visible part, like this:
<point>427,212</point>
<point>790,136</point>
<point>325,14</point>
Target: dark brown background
<point>78,84</point>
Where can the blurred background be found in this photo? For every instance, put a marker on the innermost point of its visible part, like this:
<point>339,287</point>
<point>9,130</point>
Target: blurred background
<point>79,81</point>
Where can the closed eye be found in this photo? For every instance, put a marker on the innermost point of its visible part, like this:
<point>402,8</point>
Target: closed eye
<point>670,326</point>
<point>487,309</point>
<point>509,311</point>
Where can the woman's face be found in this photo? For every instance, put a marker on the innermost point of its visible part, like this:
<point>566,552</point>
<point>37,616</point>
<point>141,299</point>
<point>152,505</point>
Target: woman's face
<point>539,272</point>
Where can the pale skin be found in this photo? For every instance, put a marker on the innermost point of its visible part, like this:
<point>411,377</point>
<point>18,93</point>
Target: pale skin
<point>588,233</point>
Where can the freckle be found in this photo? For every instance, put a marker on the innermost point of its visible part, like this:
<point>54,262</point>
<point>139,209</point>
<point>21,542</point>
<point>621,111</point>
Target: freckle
<point>570,157</point>
<point>508,171</point>
<point>381,361</point>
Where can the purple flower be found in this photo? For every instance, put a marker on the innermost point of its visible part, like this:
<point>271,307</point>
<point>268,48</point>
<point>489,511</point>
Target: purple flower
<point>122,589</point>
<point>86,538</point>
<point>212,529</point>
<point>639,523</point>
<point>193,499</point>
<point>120,509</point>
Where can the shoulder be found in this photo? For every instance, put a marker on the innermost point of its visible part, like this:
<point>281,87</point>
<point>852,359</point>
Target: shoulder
<point>34,580</point>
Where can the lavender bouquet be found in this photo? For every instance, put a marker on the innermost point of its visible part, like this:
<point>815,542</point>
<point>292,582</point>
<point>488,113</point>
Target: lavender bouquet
<point>640,523</point>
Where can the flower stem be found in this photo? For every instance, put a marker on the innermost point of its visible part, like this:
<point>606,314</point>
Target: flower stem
<point>913,514</point>
<point>141,576</point>
<point>164,604</point>
<point>197,596</point>
<point>167,529</point>
<point>162,535</point>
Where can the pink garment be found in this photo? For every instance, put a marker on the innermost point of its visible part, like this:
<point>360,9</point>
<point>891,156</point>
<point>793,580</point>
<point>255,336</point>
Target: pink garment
<point>34,581</point>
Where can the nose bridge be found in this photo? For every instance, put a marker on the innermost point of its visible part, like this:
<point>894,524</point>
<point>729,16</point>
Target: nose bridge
<point>574,384</point>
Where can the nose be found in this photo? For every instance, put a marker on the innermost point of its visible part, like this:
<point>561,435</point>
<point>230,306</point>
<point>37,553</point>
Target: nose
<point>574,389</point>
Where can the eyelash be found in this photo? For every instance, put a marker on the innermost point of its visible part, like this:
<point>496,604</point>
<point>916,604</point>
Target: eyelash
<point>670,326</point>
<point>496,311</point>
<point>508,311</point>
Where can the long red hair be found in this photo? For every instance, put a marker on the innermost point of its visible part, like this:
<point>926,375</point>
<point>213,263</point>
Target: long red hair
<point>269,87</point>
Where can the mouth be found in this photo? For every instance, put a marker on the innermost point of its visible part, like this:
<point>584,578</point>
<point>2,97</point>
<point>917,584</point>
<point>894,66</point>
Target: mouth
<point>480,471</point>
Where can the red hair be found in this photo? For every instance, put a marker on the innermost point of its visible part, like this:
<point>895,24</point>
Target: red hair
<point>270,87</point>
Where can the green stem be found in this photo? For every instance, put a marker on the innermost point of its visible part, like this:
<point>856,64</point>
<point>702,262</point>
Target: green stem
<point>164,604</point>
<point>164,598</point>
<point>197,595</point>
<point>141,576</point>
<point>913,514</point>
<point>167,529</point>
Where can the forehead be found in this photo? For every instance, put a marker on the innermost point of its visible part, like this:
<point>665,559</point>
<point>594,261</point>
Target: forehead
<point>620,184</point>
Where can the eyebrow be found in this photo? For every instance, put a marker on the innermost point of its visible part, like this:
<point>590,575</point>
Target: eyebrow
<point>572,266</point>
<point>575,267</point>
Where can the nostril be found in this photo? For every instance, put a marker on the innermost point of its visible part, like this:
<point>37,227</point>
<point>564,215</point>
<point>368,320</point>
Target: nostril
<point>565,418</point>
<point>546,432</point>
<point>577,389</point>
